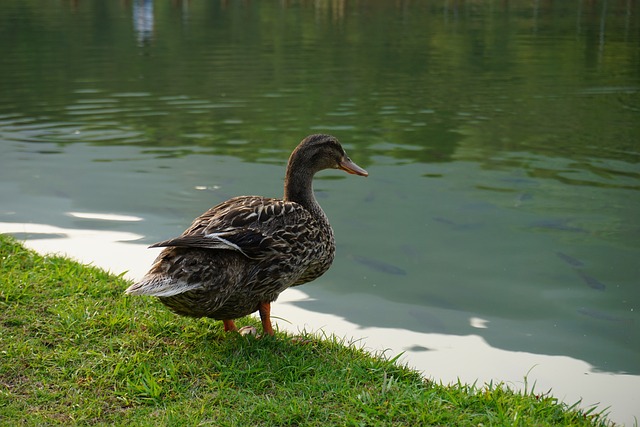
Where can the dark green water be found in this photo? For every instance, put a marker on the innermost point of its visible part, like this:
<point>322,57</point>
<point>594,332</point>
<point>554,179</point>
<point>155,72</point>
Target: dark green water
<point>502,141</point>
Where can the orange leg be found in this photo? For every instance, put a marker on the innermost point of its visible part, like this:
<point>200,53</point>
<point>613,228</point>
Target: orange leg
<point>229,325</point>
<point>265,315</point>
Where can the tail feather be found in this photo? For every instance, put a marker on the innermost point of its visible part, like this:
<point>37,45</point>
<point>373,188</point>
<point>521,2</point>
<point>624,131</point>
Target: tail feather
<point>160,286</point>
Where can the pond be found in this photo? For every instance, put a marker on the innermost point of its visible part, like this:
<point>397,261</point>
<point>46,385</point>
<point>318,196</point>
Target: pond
<point>498,234</point>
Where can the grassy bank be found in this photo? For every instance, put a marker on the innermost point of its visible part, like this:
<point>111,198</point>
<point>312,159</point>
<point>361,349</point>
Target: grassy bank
<point>75,350</point>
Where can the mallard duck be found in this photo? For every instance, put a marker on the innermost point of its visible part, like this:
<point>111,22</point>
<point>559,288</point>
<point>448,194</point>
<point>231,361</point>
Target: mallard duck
<point>236,258</point>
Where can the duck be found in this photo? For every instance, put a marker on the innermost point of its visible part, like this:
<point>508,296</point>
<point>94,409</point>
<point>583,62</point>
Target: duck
<point>237,257</point>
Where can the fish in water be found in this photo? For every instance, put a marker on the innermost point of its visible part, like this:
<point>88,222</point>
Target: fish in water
<point>600,315</point>
<point>380,266</point>
<point>570,260</point>
<point>591,281</point>
<point>456,225</point>
<point>557,224</point>
<point>417,348</point>
<point>444,220</point>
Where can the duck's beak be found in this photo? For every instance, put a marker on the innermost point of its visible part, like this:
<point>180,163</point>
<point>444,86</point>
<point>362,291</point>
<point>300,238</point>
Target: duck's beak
<point>347,165</point>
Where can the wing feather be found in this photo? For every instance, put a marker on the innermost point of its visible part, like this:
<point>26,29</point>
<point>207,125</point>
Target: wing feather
<point>251,225</point>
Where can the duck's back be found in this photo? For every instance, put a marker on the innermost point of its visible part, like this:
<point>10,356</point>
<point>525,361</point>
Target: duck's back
<point>237,254</point>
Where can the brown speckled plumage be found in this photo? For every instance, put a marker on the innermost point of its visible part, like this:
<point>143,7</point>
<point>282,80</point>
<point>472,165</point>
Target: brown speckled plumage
<point>237,257</point>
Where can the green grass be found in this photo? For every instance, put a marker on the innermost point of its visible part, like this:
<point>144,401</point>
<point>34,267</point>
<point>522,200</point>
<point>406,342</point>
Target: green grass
<point>75,350</point>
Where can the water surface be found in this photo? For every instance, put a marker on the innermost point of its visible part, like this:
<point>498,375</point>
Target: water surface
<point>500,217</point>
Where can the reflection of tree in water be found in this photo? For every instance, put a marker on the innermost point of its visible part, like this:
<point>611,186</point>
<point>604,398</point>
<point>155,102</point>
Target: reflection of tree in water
<point>415,81</point>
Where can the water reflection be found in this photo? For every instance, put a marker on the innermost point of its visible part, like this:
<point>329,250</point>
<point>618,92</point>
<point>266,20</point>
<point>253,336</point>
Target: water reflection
<point>502,139</point>
<point>143,21</point>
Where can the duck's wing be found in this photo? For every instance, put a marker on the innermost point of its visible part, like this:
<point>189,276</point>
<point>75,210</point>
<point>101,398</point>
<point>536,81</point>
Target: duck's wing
<point>251,225</point>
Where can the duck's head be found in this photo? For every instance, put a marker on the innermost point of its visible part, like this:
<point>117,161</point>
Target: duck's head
<point>318,152</point>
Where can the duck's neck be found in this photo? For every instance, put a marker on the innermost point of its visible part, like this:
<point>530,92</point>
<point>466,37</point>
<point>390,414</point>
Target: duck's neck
<point>298,187</point>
